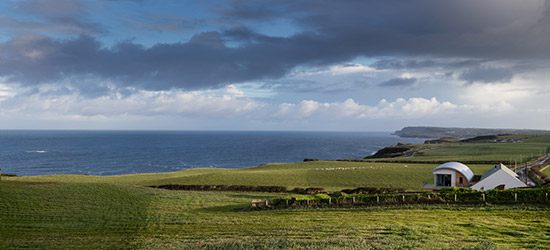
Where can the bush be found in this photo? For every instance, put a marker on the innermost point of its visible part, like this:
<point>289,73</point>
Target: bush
<point>309,159</point>
<point>362,190</point>
<point>314,190</point>
<point>239,188</point>
<point>456,190</point>
<point>311,190</point>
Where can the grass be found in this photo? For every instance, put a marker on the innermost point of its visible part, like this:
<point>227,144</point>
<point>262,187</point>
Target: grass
<point>332,176</point>
<point>503,152</point>
<point>80,215</point>
<point>92,215</point>
<point>507,153</point>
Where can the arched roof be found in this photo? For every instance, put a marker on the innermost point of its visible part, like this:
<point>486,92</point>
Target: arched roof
<point>457,166</point>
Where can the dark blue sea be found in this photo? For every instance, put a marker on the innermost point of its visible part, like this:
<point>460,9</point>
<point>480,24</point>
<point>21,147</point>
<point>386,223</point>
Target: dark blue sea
<point>126,152</point>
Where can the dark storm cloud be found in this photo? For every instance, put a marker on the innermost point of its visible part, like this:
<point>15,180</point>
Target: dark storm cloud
<point>398,82</point>
<point>402,64</point>
<point>488,74</point>
<point>253,10</point>
<point>205,61</point>
<point>54,16</point>
<point>421,64</point>
<point>332,32</point>
<point>491,28</point>
<point>166,23</point>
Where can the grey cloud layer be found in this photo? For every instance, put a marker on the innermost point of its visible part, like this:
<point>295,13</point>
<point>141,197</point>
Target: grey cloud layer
<point>52,16</point>
<point>398,82</point>
<point>333,32</point>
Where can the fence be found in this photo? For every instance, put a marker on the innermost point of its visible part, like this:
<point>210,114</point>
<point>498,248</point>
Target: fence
<point>455,196</point>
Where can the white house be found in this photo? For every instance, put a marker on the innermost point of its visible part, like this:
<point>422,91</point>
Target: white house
<point>452,174</point>
<point>499,175</point>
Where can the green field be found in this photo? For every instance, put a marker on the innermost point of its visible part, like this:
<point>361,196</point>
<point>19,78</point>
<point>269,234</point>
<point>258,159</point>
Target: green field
<point>116,212</point>
<point>333,176</point>
<point>92,215</point>
<point>503,152</point>
<point>507,153</point>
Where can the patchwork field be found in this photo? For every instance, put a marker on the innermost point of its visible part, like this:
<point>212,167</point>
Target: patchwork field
<point>91,215</point>
<point>524,148</point>
<point>507,153</point>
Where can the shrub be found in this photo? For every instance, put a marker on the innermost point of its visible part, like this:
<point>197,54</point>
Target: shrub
<point>239,188</point>
<point>362,190</point>
<point>314,190</point>
<point>309,159</point>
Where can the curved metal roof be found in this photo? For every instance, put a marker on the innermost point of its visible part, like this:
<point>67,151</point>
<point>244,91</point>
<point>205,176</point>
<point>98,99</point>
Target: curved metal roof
<point>461,168</point>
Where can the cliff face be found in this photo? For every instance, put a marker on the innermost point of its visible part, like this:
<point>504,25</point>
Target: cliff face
<point>438,132</point>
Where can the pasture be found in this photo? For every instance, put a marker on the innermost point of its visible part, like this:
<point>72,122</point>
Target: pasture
<point>333,176</point>
<point>507,153</point>
<point>518,149</point>
<point>95,215</point>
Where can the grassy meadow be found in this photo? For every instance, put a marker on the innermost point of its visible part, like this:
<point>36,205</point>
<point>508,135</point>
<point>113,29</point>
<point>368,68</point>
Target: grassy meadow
<point>120,212</point>
<point>507,153</point>
<point>94,215</point>
<point>333,176</point>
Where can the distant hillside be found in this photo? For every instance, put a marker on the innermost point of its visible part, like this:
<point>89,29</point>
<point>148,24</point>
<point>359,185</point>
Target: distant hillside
<point>438,132</point>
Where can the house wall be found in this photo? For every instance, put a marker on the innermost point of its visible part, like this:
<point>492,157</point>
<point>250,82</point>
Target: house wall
<point>465,182</point>
<point>498,178</point>
<point>446,171</point>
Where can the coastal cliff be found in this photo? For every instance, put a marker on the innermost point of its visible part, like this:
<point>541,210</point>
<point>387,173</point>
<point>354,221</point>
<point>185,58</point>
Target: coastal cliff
<point>438,132</point>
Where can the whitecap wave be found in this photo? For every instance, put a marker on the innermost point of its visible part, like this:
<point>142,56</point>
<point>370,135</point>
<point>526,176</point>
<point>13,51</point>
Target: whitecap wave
<point>37,151</point>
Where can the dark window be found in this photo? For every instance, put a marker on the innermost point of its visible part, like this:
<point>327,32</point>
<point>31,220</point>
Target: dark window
<point>460,180</point>
<point>443,180</point>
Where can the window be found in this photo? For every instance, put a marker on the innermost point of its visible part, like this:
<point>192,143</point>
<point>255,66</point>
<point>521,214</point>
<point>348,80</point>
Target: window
<point>443,180</point>
<point>460,180</point>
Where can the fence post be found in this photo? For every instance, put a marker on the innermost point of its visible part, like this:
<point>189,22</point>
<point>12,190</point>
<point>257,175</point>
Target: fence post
<point>455,197</point>
<point>378,198</point>
<point>403,198</point>
<point>329,200</point>
<point>516,197</point>
<point>287,203</point>
<point>353,198</point>
<point>483,196</point>
<point>429,197</point>
<point>546,196</point>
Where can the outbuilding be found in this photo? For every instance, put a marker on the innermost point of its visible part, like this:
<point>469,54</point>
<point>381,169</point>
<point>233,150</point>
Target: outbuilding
<point>452,174</point>
<point>497,176</point>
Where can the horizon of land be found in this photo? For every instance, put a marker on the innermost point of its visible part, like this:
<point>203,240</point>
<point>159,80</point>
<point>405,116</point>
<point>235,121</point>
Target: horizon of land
<point>282,130</point>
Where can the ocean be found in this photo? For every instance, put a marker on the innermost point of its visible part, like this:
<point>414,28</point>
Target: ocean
<point>27,153</point>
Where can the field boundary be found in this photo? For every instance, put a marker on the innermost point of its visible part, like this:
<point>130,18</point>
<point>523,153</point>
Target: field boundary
<point>451,196</point>
<point>417,161</point>
<point>240,188</point>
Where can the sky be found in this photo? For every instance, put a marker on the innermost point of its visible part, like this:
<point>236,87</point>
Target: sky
<point>274,65</point>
